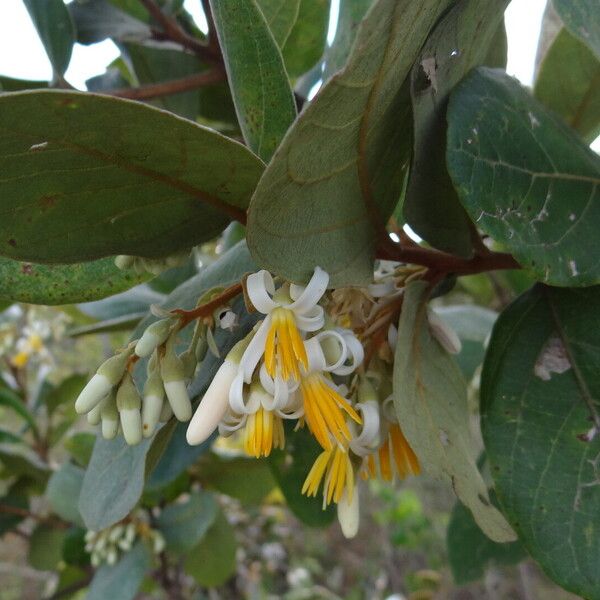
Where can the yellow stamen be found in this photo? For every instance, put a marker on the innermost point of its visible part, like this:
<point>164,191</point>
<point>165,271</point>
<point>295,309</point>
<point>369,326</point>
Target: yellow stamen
<point>405,458</point>
<point>323,408</point>
<point>335,467</point>
<point>284,347</point>
<point>263,432</point>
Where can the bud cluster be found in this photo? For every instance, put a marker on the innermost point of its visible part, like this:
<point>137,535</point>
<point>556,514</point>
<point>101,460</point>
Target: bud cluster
<point>155,266</point>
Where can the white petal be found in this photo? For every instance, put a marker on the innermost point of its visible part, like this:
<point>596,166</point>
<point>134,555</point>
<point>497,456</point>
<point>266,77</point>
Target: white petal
<point>91,395</point>
<point>315,355</point>
<point>355,350</point>
<point>348,512</point>
<point>255,350</point>
<point>368,439</point>
<point>213,405</point>
<point>311,320</point>
<point>312,293</point>
<point>343,348</point>
<point>444,334</point>
<point>392,337</point>
<point>260,288</point>
<point>236,398</point>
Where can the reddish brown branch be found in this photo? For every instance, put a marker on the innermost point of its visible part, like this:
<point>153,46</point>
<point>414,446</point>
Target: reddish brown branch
<point>23,512</point>
<point>174,86</point>
<point>205,310</point>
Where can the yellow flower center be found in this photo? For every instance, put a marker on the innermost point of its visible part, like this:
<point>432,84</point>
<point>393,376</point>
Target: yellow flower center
<point>263,432</point>
<point>324,411</point>
<point>20,359</point>
<point>335,467</point>
<point>284,347</point>
<point>396,446</point>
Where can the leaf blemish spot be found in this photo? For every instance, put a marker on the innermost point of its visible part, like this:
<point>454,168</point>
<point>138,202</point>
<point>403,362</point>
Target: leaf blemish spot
<point>552,359</point>
<point>38,147</point>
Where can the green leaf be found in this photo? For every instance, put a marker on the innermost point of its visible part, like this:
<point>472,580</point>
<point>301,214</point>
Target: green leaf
<point>582,19</point>
<point>136,300</point>
<point>458,43</point>
<point>80,446</point>
<point>63,492</point>
<point>290,468</point>
<point>8,437</point>
<point>212,562</point>
<point>351,14</point>
<point>247,479</point>
<point>63,284</point>
<point>471,552</point>
<point>539,381</point>
<point>338,174</point>
<point>183,525</point>
<point>569,83</point>
<point>280,16</point>
<point>55,28</point>
<point>115,476</point>
<point>9,84</point>
<point>124,323</point>
<point>497,55</point>
<point>259,84</point>
<point>17,461</point>
<point>9,399</point>
<point>65,392</point>
<point>306,41</point>
<point>96,20</point>
<point>513,164</point>
<point>73,549</point>
<point>430,396</point>
<point>473,324</point>
<point>16,499</point>
<point>150,185</point>
<point>45,547</point>
<point>121,581</point>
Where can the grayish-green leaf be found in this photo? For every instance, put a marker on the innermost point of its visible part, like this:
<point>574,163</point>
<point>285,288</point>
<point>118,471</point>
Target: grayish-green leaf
<point>458,43</point>
<point>280,16</point>
<point>63,492</point>
<point>183,525</point>
<point>569,83</point>
<point>582,18</point>
<point>122,581</point>
<point>539,384</point>
<point>261,91</point>
<point>430,396</point>
<point>86,176</point>
<point>306,42</point>
<point>55,28</point>
<point>471,552</point>
<point>339,171</point>
<point>80,446</point>
<point>123,323</point>
<point>136,300</point>
<point>514,165</point>
<point>63,284</point>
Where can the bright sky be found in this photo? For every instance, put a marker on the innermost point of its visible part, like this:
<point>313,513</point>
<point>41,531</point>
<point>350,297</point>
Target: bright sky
<point>22,54</point>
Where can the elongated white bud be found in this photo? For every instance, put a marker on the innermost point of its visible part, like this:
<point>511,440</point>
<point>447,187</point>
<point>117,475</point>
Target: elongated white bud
<point>444,334</point>
<point>129,404</point>
<point>93,416</point>
<point>110,417</point>
<point>153,336</point>
<point>213,406</point>
<point>348,513</point>
<point>92,394</point>
<point>154,394</point>
<point>172,372</point>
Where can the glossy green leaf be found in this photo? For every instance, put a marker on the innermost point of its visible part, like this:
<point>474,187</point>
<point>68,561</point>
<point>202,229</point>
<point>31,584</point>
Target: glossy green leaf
<point>97,20</point>
<point>513,164</point>
<point>338,174</point>
<point>259,84</point>
<point>45,547</point>
<point>539,381</point>
<point>63,492</point>
<point>569,83</point>
<point>582,19</point>
<point>351,14</point>
<point>74,189</point>
<point>247,479</point>
<point>55,28</point>
<point>63,284</point>
<point>471,552</point>
<point>458,43</point>
<point>430,396</point>
<point>473,324</point>
<point>122,581</point>
<point>184,524</point>
<point>212,562</point>
<point>290,468</point>
<point>280,15</point>
<point>306,41</point>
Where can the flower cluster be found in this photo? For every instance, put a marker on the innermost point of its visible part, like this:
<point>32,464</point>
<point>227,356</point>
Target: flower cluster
<point>107,545</point>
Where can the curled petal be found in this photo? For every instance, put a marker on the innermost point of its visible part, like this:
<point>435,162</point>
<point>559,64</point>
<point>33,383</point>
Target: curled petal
<point>311,320</point>
<point>355,351</point>
<point>368,439</point>
<point>312,293</point>
<point>260,288</point>
<point>255,349</point>
<point>237,403</point>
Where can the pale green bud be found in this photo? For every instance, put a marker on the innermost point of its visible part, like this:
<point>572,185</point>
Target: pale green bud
<point>201,348</point>
<point>366,391</point>
<point>188,358</point>
<point>154,335</point>
<point>154,393</point>
<point>110,417</point>
<point>173,375</point>
<point>93,416</point>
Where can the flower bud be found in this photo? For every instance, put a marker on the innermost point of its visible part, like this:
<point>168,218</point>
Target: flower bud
<point>201,348</point>
<point>153,336</point>
<point>348,514</point>
<point>110,417</point>
<point>94,416</point>
<point>444,334</point>
<point>129,404</point>
<point>124,261</point>
<point>188,358</point>
<point>166,412</point>
<point>173,375</point>
<point>366,391</point>
<point>154,394</point>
